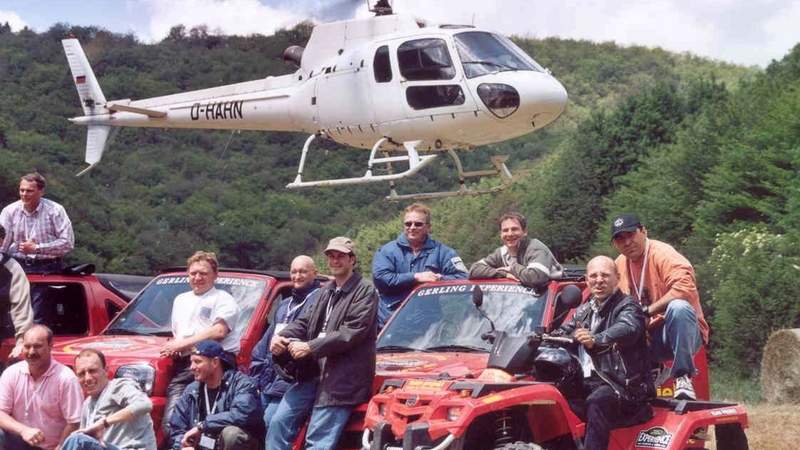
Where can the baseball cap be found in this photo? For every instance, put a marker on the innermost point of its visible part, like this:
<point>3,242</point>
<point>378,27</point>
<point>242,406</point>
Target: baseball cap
<point>212,349</point>
<point>623,223</point>
<point>341,244</point>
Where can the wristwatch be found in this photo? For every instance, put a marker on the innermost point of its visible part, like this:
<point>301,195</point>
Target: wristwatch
<point>200,426</point>
<point>646,310</point>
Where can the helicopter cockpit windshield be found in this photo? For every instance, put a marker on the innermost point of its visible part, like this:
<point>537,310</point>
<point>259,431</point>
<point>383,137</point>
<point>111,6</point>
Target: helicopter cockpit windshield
<point>483,53</point>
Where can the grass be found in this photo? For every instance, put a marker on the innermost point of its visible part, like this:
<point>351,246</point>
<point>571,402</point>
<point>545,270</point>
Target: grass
<point>729,386</point>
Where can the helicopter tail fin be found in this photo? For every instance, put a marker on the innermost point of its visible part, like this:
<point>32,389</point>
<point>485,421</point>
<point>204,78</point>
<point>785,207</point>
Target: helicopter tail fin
<point>93,101</point>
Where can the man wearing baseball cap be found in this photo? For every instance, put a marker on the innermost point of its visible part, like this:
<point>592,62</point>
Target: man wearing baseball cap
<point>338,334</point>
<point>663,281</point>
<point>221,409</point>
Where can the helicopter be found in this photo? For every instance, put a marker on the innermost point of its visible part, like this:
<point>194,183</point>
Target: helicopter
<point>388,83</point>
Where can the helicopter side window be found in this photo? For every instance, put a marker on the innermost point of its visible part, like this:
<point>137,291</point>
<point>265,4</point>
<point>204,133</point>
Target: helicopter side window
<point>425,59</point>
<point>424,97</point>
<point>381,65</point>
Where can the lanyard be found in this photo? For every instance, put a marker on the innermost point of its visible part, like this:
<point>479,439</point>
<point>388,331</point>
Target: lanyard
<point>329,308</point>
<point>639,288</point>
<point>290,310</point>
<point>210,411</point>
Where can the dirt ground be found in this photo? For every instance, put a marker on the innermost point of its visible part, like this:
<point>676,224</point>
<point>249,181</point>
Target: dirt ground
<point>772,427</point>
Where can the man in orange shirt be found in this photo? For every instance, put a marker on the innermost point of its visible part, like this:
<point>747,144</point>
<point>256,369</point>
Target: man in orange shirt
<point>663,281</point>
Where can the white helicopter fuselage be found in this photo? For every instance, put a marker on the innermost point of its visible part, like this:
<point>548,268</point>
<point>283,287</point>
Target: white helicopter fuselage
<point>365,79</point>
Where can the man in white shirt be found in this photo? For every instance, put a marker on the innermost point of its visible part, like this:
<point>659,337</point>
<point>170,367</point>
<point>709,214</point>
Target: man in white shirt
<point>203,313</point>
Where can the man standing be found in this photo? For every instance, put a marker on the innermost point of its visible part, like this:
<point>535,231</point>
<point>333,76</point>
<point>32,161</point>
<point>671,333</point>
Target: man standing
<point>411,259</point>
<point>39,232</point>
<point>663,282</point>
<point>338,335</point>
<point>305,291</point>
<point>40,399</point>
<point>520,258</point>
<point>610,329</point>
<point>15,299</point>
<point>116,413</point>
<point>203,313</point>
<point>220,409</point>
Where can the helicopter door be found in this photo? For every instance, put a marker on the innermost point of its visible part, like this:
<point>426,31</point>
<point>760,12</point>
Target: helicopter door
<point>432,84</point>
<point>386,94</point>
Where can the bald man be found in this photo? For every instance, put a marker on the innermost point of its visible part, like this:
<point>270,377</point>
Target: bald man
<point>305,290</point>
<point>610,331</point>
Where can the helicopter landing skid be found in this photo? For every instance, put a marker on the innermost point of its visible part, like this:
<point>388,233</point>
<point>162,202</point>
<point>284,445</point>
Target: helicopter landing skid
<point>500,170</point>
<point>415,163</point>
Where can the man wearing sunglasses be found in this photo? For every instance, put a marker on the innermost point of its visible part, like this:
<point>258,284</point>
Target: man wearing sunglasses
<point>411,259</point>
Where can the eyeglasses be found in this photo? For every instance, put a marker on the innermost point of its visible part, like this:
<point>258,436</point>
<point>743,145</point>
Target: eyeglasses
<point>416,224</point>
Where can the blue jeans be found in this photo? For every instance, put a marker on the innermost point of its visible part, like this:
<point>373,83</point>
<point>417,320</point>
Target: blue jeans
<point>677,338</point>
<point>324,428</point>
<point>270,404</point>
<point>80,441</point>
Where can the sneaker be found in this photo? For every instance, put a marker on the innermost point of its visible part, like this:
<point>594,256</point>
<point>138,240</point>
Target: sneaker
<point>684,390</point>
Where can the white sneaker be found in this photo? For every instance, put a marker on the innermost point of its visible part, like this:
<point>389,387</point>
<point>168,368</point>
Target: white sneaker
<point>684,389</point>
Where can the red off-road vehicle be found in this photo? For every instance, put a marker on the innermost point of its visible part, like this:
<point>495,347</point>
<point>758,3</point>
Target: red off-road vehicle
<point>485,394</point>
<point>76,302</point>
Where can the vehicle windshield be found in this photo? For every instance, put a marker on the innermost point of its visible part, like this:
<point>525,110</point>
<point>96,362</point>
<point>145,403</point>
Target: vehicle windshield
<point>444,317</point>
<point>483,53</point>
<point>151,312</point>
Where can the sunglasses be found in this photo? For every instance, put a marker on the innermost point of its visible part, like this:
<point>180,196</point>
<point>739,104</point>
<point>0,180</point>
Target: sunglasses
<point>416,224</point>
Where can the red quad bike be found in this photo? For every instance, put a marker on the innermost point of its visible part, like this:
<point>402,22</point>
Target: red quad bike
<point>518,402</point>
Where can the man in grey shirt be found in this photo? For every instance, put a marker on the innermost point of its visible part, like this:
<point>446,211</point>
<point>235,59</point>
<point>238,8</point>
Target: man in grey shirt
<point>116,413</point>
<point>520,258</point>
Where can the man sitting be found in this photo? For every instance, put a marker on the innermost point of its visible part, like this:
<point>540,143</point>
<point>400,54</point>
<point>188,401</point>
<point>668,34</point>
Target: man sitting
<point>116,413</point>
<point>40,398</point>
<point>520,258</point>
<point>220,409</point>
<point>610,329</point>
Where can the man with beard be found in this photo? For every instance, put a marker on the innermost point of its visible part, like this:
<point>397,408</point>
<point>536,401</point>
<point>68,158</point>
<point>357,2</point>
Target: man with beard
<point>116,413</point>
<point>305,291</point>
<point>337,337</point>
<point>40,399</point>
<point>610,332</point>
<point>520,258</point>
<point>663,282</point>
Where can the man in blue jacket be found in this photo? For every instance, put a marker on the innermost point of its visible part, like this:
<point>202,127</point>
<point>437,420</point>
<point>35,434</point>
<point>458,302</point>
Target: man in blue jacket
<point>411,259</point>
<point>220,409</point>
<point>305,291</point>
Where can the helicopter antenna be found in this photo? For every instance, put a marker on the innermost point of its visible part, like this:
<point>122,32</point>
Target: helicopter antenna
<point>381,7</point>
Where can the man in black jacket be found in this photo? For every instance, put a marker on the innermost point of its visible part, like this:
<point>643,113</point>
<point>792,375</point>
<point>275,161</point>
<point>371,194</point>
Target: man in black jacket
<point>610,331</point>
<point>220,409</point>
<point>335,342</point>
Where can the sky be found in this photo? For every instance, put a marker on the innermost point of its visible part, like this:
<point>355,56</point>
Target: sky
<point>747,32</point>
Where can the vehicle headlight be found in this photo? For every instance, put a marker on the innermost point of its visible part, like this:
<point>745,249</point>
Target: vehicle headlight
<point>501,99</point>
<point>144,374</point>
<point>453,413</point>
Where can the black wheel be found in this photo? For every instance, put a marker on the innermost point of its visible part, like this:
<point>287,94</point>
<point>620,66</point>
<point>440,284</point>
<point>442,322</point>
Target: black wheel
<point>519,445</point>
<point>730,436</point>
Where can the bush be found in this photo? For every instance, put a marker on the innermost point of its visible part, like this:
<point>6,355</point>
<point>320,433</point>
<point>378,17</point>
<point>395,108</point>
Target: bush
<point>756,275</point>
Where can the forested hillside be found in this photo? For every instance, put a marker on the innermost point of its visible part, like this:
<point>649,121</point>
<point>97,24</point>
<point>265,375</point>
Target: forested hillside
<point>705,152</point>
